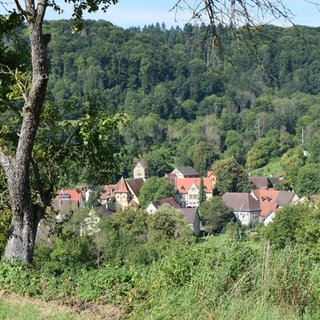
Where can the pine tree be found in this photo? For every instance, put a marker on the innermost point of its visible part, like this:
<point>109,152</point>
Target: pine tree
<point>202,192</point>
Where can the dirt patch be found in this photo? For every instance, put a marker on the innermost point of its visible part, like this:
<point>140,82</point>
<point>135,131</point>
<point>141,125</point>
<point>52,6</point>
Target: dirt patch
<point>92,311</point>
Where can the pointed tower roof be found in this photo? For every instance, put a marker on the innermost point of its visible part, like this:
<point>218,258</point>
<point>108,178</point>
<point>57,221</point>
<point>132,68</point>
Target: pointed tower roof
<point>122,186</point>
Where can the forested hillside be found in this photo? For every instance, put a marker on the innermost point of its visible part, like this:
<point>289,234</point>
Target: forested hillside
<point>256,102</point>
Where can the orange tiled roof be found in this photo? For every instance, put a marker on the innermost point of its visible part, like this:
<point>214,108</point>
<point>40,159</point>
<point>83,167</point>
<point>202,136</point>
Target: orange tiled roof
<point>122,186</point>
<point>184,184</point>
<point>72,195</point>
<point>266,208</point>
<point>268,200</point>
<point>265,195</point>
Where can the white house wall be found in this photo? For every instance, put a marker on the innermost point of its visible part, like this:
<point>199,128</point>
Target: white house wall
<point>247,217</point>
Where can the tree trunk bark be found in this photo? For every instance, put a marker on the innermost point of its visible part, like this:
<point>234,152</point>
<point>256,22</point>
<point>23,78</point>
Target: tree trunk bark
<point>22,232</point>
<point>25,214</point>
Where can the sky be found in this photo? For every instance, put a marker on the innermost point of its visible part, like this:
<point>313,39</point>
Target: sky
<point>128,13</point>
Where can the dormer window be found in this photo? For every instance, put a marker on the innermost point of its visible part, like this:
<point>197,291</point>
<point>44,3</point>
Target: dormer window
<point>64,196</point>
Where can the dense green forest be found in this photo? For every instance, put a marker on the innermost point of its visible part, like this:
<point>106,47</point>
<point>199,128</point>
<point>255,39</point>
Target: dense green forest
<point>186,99</point>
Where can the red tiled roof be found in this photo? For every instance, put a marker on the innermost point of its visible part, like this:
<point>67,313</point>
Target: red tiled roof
<point>184,184</point>
<point>271,199</point>
<point>265,195</point>
<point>266,208</point>
<point>122,186</point>
<point>72,195</point>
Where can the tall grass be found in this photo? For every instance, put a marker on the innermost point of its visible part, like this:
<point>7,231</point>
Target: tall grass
<point>231,281</point>
<point>213,279</point>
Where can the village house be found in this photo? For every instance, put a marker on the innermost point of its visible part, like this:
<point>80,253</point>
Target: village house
<point>127,192</point>
<point>154,205</point>
<point>141,171</point>
<point>181,173</point>
<point>261,204</point>
<point>188,191</point>
<point>271,200</point>
<point>185,172</point>
<point>107,193</point>
<point>245,207</point>
<point>68,198</point>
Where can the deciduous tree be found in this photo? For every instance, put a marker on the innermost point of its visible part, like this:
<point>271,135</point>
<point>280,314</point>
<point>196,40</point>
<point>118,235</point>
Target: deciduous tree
<point>204,155</point>
<point>295,224</point>
<point>155,188</point>
<point>168,222</point>
<point>231,177</point>
<point>307,182</point>
<point>28,209</point>
<point>215,215</point>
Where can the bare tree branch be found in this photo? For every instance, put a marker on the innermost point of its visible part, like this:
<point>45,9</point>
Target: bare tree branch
<point>19,8</point>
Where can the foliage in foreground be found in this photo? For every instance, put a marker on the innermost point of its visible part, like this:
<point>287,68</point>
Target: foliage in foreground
<point>215,278</point>
<point>137,265</point>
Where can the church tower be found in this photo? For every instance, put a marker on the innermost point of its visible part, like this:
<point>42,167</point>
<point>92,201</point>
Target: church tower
<point>140,171</point>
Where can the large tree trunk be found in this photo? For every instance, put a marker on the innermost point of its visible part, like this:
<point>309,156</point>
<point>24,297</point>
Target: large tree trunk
<point>22,233</point>
<point>25,216</point>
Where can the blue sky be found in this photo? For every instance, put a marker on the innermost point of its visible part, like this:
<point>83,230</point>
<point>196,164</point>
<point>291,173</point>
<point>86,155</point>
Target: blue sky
<point>129,13</point>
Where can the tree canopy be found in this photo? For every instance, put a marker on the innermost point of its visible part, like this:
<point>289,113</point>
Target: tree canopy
<point>155,188</point>
<point>215,215</point>
<point>231,177</point>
